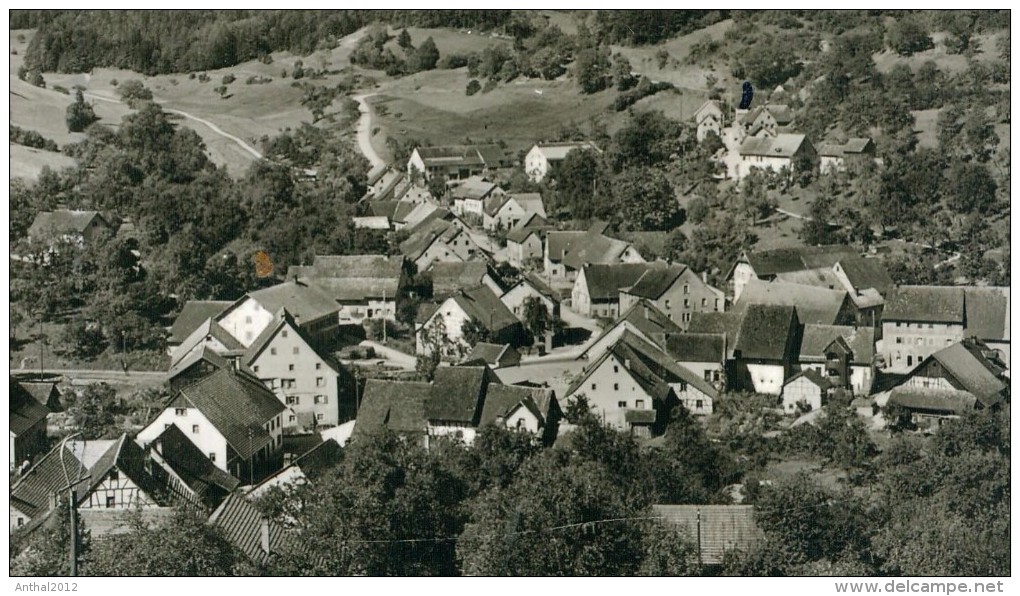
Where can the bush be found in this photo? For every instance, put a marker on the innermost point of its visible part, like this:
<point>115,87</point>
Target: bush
<point>61,89</point>
<point>908,36</point>
<point>266,59</point>
<point>228,79</point>
<point>203,78</point>
<point>451,61</point>
<point>30,138</point>
<point>36,78</point>
<point>22,73</point>
<point>115,82</point>
<point>191,75</point>
<point>473,87</point>
<point>79,114</point>
<point>644,89</point>
<point>133,92</point>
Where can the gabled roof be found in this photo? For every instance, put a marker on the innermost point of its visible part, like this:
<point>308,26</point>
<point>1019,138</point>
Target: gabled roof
<point>530,202</point>
<point>654,282</point>
<point>193,314</point>
<point>422,238</point>
<point>242,524</point>
<point>935,304</point>
<point>129,459</point>
<point>475,188</point>
<point>449,155</point>
<point>303,301</point>
<point>854,146</point>
<point>448,278</point>
<point>309,466</point>
<point>26,412</point>
<point>767,263</point>
<point>782,145</point>
<point>725,323</point>
<point>605,281</point>
<point>422,214</point>
<point>860,340</point>
<point>45,392</point>
<point>814,305</point>
<point>193,357</point>
<point>482,305</point>
<point>866,273</point>
<point>32,493</point>
<point>396,405</point>
<point>782,114</point>
<point>765,332</point>
<point>705,110</point>
<point>538,284</point>
<point>373,222</point>
<point>63,221</point>
<point>811,375</point>
<point>489,353</point>
<point>648,319</point>
<point>558,151</point>
<point>385,209</point>
<point>282,320</point>
<point>576,249</point>
<point>723,528</point>
<point>458,393</point>
<point>192,466</point>
<point>933,400</point>
<point>520,234</point>
<point>354,278</point>
<point>973,371</point>
<point>502,400</point>
<point>237,404</point>
<point>987,310</point>
<point>207,329</point>
<point>697,347</point>
<point>819,278</point>
<point>377,172</point>
<point>535,221</point>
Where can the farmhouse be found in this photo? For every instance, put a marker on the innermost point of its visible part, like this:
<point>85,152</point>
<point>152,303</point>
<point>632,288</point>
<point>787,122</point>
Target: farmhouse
<point>314,310</point>
<point>80,227</point>
<point>567,252</point>
<point>365,286</point>
<point>445,324</point>
<point>675,290</point>
<point>543,157</point>
<point>531,286</point>
<point>833,157</point>
<point>457,162</point>
<point>780,153</point>
<point>507,211</point>
<point>597,289</point>
<point>709,118</point>
<point>814,305</point>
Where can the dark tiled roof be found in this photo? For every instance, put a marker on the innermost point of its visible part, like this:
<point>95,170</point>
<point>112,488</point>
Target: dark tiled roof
<point>385,209</point>
<point>488,353</point>
<point>781,260</point>
<point>575,249</point>
<point>766,332</point>
<point>128,458</point>
<point>697,347</point>
<point>482,305</point>
<point>987,313</point>
<point>236,404</point>
<point>492,156</point>
<point>304,302</point>
<point>26,412</point>
<point>425,235</point>
<point>448,278</point>
<point>655,281</point>
<point>193,314</point>
<point>519,235</point>
<point>651,321</point>
<point>209,328</point>
<point>63,221</point>
<point>925,303</point>
<point>814,305</point>
<point>353,278</point>
<point>725,323</point>
<point>193,357</point>
<point>866,273</point>
<point>242,524</point>
<point>812,375</point>
<point>458,393</point>
<point>44,392</point>
<point>723,527</point>
<point>188,462</point>
<point>32,493</point>
<point>500,401</point>
<point>966,363</point>
<point>860,340</point>
<point>396,405</point>
<point>606,280</point>
<point>539,285</point>
<point>782,145</point>
<point>312,463</point>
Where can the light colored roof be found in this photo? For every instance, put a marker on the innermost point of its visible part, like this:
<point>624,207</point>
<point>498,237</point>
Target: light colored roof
<point>814,304</point>
<point>575,249</point>
<point>374,222</point>
<point>474,188</point>
<point>782,145</point>
<point>932,399</point>
<point>353,278</point>
<point>971,369</point>
<point>63,221</point>
<point>304,302</point>
<point>449,278</point>
<point>559,151</point>
<point>193,315</point>
<point>723,528</point>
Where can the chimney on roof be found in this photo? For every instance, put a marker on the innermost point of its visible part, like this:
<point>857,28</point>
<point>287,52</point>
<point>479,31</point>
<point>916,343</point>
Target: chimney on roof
<point>704,276</point>
<point>264,534</point>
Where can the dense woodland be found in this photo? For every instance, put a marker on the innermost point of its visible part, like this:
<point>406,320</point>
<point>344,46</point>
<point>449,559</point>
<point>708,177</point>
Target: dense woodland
<point>391,508</point>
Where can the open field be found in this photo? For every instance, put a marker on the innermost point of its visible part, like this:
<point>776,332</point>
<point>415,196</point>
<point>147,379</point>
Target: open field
<point>27,163</point>
<point>644,62</point>
<point>949,63</point>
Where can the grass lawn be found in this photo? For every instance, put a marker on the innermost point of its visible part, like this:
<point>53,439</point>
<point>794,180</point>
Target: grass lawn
<point>27,163</point>
<point>644,62</point>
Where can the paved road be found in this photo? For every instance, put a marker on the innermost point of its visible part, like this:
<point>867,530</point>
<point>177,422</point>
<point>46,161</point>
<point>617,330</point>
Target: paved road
<point>395,357</point>
<point>365,130</point>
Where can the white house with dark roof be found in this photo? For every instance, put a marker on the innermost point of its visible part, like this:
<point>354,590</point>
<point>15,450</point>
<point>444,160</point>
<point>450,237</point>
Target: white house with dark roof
<point>525,242</point>
<point>808,262</point>
<point>542,157</point>
<point>193,314</point>
<point>765,348</point>
<point>597,289</point>
<point>364,286</point>
<point>449,278</point>
<point>814,305</point>
<point>531,286</point>
<point>508,211</point>
<point>232,417</point>
<point>567,252</point>
<point>704,354</point>
<point>843,354</point>
<point>709,118</point>
<point>832,157</point>
<point>769,120</point>
<point>469,196</point>
<point>642,319</point>
<point>209,336</point>
<point>676,290</point>
<point>317,390</point>
<point>314,310</point>
<point>778,153</point>
<point>479,305</point>
<point>457,162</point>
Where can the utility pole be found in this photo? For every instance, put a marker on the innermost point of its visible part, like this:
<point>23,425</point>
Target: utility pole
<point>384,316</point>
<point>251,457</point>
<point>699,536</point>
<point>72,504</point>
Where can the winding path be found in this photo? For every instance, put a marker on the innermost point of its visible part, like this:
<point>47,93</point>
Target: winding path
<point>365,130</point>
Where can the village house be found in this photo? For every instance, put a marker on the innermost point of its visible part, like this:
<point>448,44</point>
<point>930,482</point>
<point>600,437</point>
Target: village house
<point>366,287</point>
<point>808,265</point>
<point>44,486</point>
<point>781,153</point>
<point>193,314</point>
<point>867,282</point>
<point>196,364</point>
<point>524,243</point>
<point>408,215</point>
<point>987,310</point>
<point>27,426</point>
<point>80,227</point>
<point>303,470</point>
<point>715,529</point>
<point>317,390</point>
<point>805,391</point>
<point>642,319</point>
<point>43,388</point>
<point>178,463</point>
<point>567,252</point>
<point>232,417</point>
<point>253,533</point>
<point>675,290</point>
<point>507,211</point>
<point>833,157</point>
<point>764,351</point>
<point>842,354</point>
<point>208,337</point>
<point>443,328</point>
<point>814,305</point>
<point>964,376</point>
<point>709,118</point>
<point>439,241</point>
<point>382,182</point>
<point>397,406</point>
<point>455,400</point>
<point>315,311</point>
<point>598,288</point>
<point>469,196</point>
<point>526,409</point>
<point>634,386</point>
<point>543,157</point>
<point>531,286</point>
<point>456,162</point>
<point>493,355</point>
<point>770,120</point>
<point>704,354</point>
<point>450,278</point>
<point>920,320</point>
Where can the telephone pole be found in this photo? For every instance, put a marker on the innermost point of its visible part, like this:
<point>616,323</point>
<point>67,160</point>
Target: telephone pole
<point>72,504</point>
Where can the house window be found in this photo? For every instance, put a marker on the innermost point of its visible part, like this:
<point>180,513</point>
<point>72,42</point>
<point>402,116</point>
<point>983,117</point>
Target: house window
<point>699,404</point>
<point>708,375</point>
<point>639,403</point>
<point>593,386</point>
<point>320,416</point>
<point>194,429</point>
<point>321,399</point>
<point>320,382</point>
<point>897,323</point>
<point>687,289</point>
<point>616,368</point>
<point>293,400</point>
<point>272,351</point>
<point>296,350</point>
<point>931,325</point>
<point>292,418</point>
<point>181,411</point>
<point>212,456</point>
<point>899,340</point>
<point>111,500</point>
<point>255,369</point>
<point>290,367</point>
<point>621,404</point>
<point>318,366</point>
<point>717,305</point>
<point>667,305</point>
<point>704,302</point>
<point>287,383</point>
<point>284,333</point>
<point>616,386</point>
